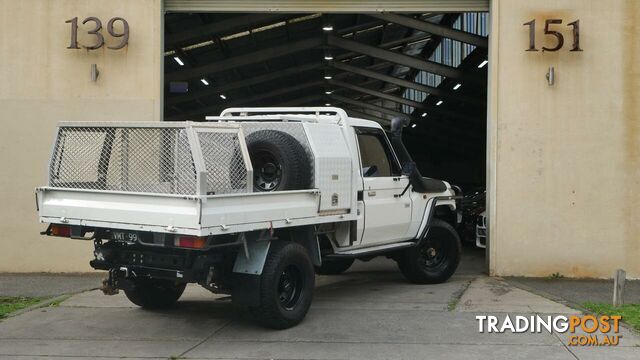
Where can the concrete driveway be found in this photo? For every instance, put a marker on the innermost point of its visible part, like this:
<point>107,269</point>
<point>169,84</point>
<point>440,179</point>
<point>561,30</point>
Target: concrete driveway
<point>368,313</point>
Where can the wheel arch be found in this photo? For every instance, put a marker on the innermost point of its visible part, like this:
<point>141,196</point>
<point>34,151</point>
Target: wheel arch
<point>446,212</point>
<point>446,205</point>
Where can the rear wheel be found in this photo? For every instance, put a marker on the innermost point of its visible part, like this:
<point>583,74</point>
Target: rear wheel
<point>435,259</point>
<point>286,286</point>
<point>155,294</point>
<point>334,267</point>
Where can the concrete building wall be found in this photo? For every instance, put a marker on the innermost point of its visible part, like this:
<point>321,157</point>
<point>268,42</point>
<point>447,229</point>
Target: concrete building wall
<point>43,82</point>
<point>566,172</point>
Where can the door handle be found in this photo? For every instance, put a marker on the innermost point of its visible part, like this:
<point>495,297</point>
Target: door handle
<point>371,193</point>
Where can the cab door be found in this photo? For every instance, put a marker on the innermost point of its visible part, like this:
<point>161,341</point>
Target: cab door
<point>386,216</point>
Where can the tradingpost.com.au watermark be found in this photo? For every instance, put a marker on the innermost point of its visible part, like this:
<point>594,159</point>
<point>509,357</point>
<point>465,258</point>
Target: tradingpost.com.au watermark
<point>598,330</point>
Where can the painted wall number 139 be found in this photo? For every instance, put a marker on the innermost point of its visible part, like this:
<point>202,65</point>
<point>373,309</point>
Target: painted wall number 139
<point>96,32</point>
<point>559,39</point>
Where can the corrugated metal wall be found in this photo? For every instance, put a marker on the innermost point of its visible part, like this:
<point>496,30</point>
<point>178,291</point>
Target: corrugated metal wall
<point>449,52</point>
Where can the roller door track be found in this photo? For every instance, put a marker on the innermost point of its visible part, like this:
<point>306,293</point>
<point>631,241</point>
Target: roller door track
<point>348,6</point>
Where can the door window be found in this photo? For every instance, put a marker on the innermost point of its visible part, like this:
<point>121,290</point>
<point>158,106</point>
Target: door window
<point>375,154</point>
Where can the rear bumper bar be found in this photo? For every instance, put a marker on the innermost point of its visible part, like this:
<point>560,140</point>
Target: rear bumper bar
<point>132,272</point>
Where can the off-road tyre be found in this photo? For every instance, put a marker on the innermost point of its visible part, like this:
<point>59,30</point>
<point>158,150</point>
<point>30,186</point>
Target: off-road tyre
<point>286,286</point>
<point>334,266</point>
<point>155,294</point>
<point>435,259</point>
<point>279,161</point>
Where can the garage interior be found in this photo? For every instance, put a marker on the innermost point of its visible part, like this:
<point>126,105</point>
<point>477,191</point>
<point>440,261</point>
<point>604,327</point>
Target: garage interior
<point>431,67</point>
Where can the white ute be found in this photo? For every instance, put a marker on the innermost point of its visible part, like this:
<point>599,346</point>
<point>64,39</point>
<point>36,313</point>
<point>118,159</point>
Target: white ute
<point>249,203</point>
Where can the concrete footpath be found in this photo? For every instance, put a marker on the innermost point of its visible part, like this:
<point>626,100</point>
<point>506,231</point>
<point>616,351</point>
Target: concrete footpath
<point>370,312</point>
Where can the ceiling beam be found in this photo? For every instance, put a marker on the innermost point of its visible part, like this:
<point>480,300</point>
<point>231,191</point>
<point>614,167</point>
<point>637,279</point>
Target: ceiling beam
<point>222,27</point>
<point>395,57</point>
<point>245,101</point>
<point>428,50</point>
<point>478,88</point>
<point>360,27</point>
<point>365,105</point>
<point>402,82</point>
<point>376,66</point>
<point>376,93</point>
<point>388,45</point>
<point>242,60</point>
<point>435,29</point>
<point>400,100</point>
<point>451,129</point>
<point>217,89</point>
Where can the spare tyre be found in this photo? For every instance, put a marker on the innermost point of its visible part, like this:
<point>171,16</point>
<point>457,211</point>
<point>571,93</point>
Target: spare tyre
<point>279,161</point>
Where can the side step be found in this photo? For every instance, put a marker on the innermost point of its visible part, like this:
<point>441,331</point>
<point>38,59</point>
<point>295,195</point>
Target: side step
<point>374,250</point>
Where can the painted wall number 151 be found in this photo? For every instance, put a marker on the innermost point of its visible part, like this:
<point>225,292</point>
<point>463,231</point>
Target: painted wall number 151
<point>559,39</point>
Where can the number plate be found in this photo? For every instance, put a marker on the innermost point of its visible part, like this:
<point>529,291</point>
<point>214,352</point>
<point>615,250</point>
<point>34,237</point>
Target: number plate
<point>128,236</point>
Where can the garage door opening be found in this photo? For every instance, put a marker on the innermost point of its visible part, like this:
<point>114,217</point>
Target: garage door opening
<point>429,66</point>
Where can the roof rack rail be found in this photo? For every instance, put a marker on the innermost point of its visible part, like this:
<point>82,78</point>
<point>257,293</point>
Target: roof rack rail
<point>303,114</point>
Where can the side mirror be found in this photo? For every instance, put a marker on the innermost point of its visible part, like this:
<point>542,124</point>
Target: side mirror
<point>409,168</point>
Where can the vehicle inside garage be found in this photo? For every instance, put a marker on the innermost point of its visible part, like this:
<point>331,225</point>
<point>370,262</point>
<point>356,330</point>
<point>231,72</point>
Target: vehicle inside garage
<point>431,67</point>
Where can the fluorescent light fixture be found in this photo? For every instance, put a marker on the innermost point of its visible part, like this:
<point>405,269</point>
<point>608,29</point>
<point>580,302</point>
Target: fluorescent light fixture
<point>223,97</point>
<point>327,104</point>
<point>204,81</point>
<point>414,125</point>
<point>328,92</point>
<point>328,77</point>
<point>328,57</point>
<point>177,59</point>
<point>457,86</point>
<point>424,114</point>
<point>327,28</point>
<point>482,64</point>
<point>439,103</point>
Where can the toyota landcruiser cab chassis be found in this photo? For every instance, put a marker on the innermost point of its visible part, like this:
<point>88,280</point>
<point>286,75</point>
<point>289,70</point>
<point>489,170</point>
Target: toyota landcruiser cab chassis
<point>249,203</point>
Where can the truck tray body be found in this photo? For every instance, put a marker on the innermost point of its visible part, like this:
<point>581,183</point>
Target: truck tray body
<point>189,178</point>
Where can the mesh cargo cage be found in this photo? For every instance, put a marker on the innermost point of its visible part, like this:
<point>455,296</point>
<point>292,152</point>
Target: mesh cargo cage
<point>195,178</point>
<point>164,158</point>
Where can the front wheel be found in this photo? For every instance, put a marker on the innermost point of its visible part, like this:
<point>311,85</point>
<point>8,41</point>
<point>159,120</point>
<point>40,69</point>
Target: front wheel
<point>435,259</point>
<point>155,294</point>
<point>286,286</point>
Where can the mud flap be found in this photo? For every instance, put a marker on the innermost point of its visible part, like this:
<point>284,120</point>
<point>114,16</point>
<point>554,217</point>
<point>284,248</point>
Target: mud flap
<point>252,259</point>
<point>247,269</point>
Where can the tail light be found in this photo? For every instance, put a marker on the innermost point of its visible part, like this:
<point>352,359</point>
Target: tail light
<point>192,242</point>
<point>60,230</point>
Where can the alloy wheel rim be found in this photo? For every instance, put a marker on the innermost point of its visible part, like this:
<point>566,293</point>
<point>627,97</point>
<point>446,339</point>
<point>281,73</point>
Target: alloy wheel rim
<point>268,174</point>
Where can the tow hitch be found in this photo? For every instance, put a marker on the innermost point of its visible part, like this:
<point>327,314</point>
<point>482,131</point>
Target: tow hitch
<point>110,284</point>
